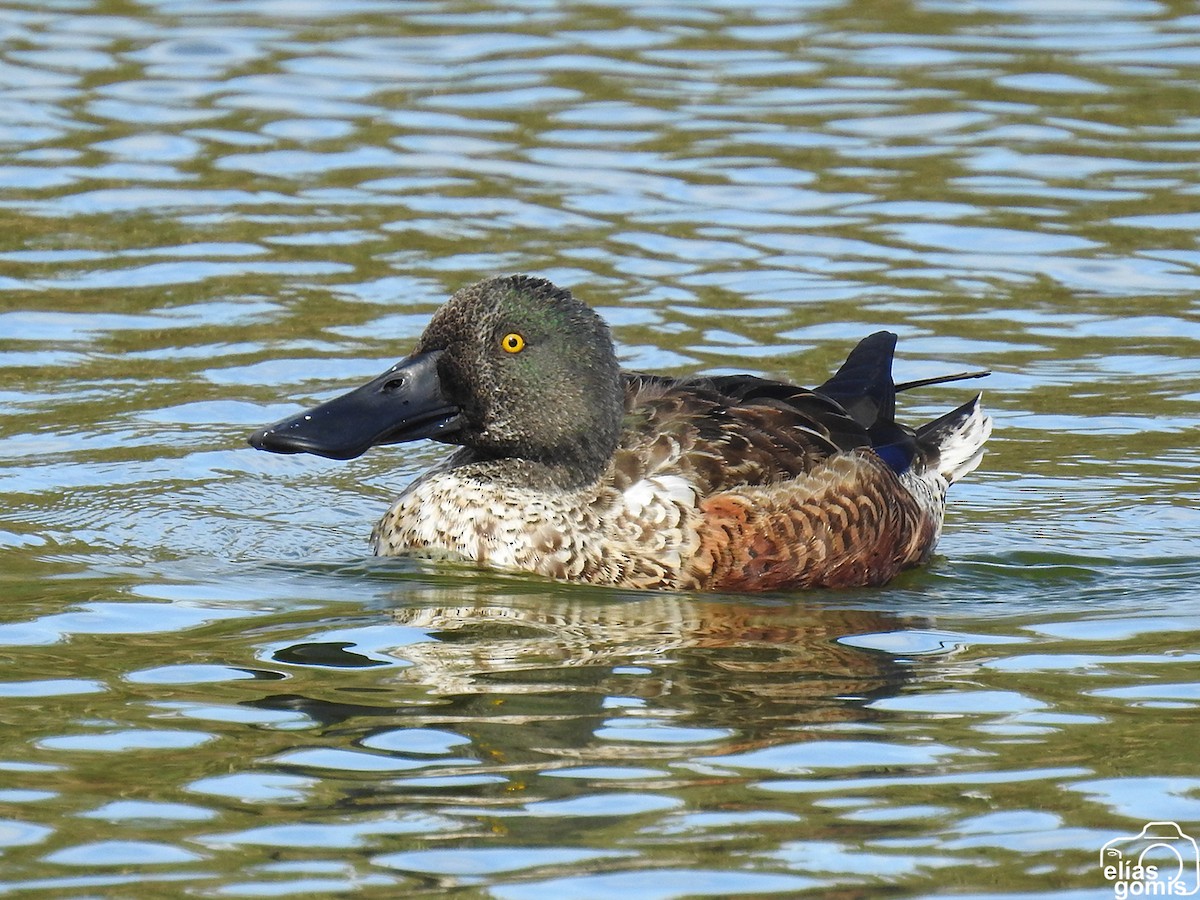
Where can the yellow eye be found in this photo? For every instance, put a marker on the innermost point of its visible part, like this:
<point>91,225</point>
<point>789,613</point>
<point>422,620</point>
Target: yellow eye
<point>512,343</point>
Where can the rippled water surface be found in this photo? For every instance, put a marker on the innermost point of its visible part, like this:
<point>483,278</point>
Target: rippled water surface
<point>215,212</point>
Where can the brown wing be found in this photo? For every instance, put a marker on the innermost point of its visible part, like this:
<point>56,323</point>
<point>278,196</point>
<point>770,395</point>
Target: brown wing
<point>789,492</point>
<point>731,430</point>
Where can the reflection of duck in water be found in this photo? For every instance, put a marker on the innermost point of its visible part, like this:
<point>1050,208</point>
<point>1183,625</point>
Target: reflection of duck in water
<point>575,470</point>
<point>531,674</point>
<point>729,662</point>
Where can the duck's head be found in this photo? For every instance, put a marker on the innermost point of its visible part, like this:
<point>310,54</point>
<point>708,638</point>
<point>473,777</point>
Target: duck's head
<point>510,367</point>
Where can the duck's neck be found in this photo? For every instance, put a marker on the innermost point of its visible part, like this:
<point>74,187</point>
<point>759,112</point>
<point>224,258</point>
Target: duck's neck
<point>528,474</point>
<point>579,456</point>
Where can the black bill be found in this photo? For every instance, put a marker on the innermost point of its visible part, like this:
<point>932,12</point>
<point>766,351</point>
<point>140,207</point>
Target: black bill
<point>405,403</point>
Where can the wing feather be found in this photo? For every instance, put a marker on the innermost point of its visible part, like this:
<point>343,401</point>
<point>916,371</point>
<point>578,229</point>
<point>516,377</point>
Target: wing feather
<point>730,430</point>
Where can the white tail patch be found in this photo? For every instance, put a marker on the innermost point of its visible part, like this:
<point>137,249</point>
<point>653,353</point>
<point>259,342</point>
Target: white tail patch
<point>958,437</point>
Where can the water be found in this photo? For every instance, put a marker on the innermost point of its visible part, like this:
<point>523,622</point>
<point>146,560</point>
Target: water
<point>215,213</point>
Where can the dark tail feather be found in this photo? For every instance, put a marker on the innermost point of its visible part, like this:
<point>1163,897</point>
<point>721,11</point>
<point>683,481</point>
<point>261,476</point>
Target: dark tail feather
<point>863,385</point>
<point>941,379</point>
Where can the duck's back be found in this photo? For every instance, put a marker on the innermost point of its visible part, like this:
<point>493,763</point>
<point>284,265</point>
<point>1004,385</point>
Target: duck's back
<point>787,490</point>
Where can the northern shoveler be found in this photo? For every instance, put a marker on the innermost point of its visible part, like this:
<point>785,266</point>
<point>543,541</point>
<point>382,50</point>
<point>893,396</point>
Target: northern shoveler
<point>573,469</point>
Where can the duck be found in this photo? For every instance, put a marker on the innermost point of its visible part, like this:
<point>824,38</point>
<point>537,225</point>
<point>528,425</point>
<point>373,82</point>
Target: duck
<point>567,467</point>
